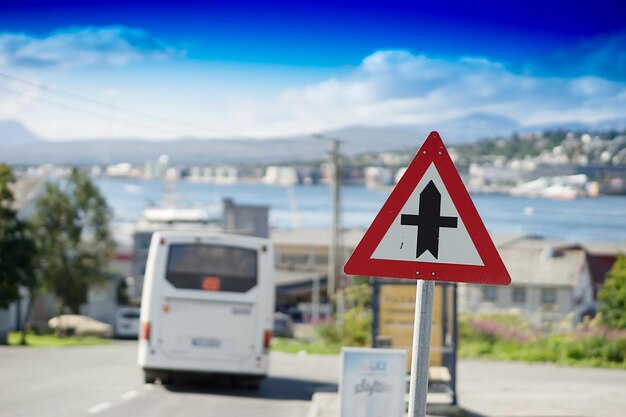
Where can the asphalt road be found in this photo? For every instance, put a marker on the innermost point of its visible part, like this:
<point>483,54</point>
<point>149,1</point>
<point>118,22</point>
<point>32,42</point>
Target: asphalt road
<point>105,381</point>
<point>517,389</point>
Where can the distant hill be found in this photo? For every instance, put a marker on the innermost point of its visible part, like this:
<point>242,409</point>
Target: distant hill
<point>13,133</point>
<point>14,139</point>
<point>460,130</point>
<point>211,151</point>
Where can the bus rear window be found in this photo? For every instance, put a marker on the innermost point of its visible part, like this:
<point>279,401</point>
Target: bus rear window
<point>211,268</point>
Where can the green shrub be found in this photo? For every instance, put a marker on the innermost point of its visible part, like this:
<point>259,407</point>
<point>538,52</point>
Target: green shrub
<point>357,325</point>
<point>357,318</point>
<point>613,296</point>
<point>329,333</point>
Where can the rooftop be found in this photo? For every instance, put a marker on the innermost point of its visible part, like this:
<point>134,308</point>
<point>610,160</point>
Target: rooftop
<point>536,266</point>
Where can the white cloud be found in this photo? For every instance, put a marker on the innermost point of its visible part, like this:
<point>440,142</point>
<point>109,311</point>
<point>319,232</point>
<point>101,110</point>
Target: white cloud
<point>389,87</point>
<point>83,46</point>
<point>397,87</point>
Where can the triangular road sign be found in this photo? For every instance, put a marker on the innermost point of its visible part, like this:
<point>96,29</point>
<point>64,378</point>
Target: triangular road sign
<point>429,228</point>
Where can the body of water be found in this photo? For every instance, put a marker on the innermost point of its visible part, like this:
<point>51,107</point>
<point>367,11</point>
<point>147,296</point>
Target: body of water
<point>599,219</point>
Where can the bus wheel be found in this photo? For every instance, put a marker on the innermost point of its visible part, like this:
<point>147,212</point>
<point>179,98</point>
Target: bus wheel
<point>149,379</point>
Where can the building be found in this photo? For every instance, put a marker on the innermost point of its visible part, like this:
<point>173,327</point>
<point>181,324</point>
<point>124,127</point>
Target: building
<point>598,263</point>
<point>281,175</point>
<point>302,266</point>
<point>550,280</point>
<point>377,177</point>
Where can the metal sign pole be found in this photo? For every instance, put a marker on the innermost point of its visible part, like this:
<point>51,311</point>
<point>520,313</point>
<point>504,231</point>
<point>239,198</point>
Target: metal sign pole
<point>421,348</point>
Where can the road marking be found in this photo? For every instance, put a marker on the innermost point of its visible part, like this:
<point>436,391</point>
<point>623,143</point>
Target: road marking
<point>129,395</point>
<point>100,407</point>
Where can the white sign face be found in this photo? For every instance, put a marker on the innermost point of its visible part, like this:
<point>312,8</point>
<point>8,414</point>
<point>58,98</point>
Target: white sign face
<point>373,382</point>
<point>454,244</point>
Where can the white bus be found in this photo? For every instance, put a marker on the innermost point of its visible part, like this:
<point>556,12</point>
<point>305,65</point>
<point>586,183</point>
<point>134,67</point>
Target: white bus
<point>207,306</point>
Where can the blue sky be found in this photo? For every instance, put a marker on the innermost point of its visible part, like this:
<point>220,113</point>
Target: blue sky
<point>263,69</point>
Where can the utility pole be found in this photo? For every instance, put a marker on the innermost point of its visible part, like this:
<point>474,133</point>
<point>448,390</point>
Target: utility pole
<point>333,262</point>
<point>334,252</point>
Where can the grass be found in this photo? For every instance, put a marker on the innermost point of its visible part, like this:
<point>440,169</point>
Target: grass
<point>282,344</point>
<point>553,351</point>
<point>508,338</point>
<point>48,340</point>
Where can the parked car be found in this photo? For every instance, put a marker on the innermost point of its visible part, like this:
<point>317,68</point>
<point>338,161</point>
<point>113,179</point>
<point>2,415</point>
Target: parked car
<point>283,325</point>
<point>76,325</point>
<point>127,322</point>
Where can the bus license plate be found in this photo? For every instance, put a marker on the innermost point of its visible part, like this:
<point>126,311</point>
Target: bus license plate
<point>206,342</point>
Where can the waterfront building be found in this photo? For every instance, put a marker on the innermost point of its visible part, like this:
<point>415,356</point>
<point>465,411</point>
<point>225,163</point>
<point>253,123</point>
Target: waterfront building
<point>377,177</point>
<point>225,175</point>
<point>280,175</point>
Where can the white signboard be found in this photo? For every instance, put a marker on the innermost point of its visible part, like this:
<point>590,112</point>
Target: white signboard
<point>372,383</point>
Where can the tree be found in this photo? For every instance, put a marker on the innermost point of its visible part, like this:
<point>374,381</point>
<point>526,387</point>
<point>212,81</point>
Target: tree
<point>613,296</point>
<point>17,250</point>
<point>71,229</point>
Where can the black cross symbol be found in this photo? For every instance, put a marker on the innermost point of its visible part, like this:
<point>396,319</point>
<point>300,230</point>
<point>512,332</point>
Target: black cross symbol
<point>428,221</point>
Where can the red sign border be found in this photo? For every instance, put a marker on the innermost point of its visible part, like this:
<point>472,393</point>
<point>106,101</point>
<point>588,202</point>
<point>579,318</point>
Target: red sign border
<point>493,270</point>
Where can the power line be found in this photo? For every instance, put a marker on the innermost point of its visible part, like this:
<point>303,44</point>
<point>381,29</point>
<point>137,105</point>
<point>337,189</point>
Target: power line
<point>119,108</point>
<point>94,113</point>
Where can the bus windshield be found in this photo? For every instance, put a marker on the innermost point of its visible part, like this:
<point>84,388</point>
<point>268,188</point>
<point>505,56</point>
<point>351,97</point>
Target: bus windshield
<point>211,268</point>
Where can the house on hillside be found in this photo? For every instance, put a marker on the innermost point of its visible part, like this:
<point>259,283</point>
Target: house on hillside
<point>542,281</point>
<point>550,280</point>
<point>590,283</point>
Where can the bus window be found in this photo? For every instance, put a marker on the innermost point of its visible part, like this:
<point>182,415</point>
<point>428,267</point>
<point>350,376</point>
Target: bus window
<point>211,268</point>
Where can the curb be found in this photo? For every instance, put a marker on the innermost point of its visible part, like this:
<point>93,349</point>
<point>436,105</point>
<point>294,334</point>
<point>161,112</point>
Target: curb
<point>326,404</point>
